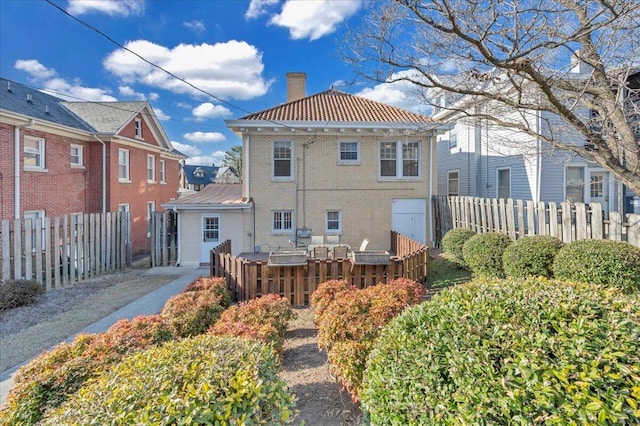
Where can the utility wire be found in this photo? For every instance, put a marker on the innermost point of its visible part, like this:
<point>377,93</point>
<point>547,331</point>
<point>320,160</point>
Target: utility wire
<point>89,26</point>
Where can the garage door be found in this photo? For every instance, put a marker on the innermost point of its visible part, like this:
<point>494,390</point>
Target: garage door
<point>409,218</point>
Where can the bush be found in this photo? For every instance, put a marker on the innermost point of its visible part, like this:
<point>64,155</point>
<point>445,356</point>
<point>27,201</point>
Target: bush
<point>353,320</point>
<point>454,240</point>
<point>51,378</point>
<point>531,256</point>
<point>483,253</point>
<point>325,294</point>
<point>202,380</point>
<point>509,352</point>
<point>605,262</point>
<point>14,293</point>
<point>217,285</point>
<point>265,319</point>
<point>192,312</point>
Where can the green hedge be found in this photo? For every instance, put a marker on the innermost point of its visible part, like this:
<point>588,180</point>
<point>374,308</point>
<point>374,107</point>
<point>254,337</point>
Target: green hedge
<point>454,240</point>
<point>483,254</point>
<point>605,262</point>
<point>531,256</point>
<point>201,380</point>
<point>509,352</point>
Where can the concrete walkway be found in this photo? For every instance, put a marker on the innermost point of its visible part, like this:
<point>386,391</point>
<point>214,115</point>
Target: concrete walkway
<point>149,304</point>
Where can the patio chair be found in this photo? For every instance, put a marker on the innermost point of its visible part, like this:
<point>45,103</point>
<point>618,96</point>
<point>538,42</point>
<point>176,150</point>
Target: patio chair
<point>320,252</point>
<point>340,252</point>
<point>364,245</point>
<point>332,239</point>
<point>317,240</point>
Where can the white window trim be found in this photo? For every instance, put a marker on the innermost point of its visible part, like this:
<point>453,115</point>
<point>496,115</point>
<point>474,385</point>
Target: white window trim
<point>151,169</point>
<point>41,152</point>
<point>126,179</point>
<point>34,215</point>
<point>283,231</point>
<point>151,208</point>
<point>453,136</point>
<point>202,219</point>
<point>449,180</point>
<point>585,173</point>
<point>326,222</point>
<point>80,149</point>
<point>399,160</point>
<point>163,172</point>
<point>138,128</point>
<point>125,205</point>
<point>291,163</point>
<point>498,170</point>
<point>349,162</point>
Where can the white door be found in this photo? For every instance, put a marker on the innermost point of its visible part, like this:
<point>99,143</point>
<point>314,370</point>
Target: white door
<point>599,189</point>
<point>209,236</point>
<point>408,217</point>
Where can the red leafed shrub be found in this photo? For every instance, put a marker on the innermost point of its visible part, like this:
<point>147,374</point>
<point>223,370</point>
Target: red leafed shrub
<point>353,320</point>
<point>217,285</point>
<point>192,312</point>
<point>325,294</point>
<point>49,379</point>
<point>265,319</point>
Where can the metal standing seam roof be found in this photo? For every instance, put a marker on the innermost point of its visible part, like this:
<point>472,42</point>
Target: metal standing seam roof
<point>219,193</point>
<point>336,106</point>
<point>106,117</point>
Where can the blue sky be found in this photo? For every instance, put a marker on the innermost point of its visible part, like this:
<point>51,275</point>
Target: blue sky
<point>237,50</point>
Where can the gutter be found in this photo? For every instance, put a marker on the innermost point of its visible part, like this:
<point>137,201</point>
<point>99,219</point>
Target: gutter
<point>16,165</point>
<point>178,260</point>
<point>104,173</point>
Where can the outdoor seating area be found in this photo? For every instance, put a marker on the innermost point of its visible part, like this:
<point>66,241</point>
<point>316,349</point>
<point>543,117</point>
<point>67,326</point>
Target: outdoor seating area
<point>323,247</point>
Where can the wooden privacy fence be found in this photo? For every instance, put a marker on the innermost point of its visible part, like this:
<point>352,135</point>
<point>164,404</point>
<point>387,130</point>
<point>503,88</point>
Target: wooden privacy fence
<point>249,279</point>
<point>569,221</point>
<point>163,227</point>
<point>58,252</point>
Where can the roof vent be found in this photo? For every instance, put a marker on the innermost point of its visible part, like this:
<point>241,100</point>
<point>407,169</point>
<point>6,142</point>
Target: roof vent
<point>46,109</point>
<point>29,98</point>
<point>9,86</point>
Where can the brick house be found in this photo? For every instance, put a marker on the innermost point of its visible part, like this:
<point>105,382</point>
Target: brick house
<point>60,158</point>
<point>336,164</point>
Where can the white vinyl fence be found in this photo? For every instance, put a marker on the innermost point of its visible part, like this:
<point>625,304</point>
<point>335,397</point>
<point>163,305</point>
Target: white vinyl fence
<point>58,252</point>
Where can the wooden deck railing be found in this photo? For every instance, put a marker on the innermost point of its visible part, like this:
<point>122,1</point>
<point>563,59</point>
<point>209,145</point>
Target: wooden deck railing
<point>249,279</point>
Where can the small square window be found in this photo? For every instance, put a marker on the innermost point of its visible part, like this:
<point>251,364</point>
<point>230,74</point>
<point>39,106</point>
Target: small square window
<point>334,221</point>
<point>138,128</point>
<point>349,152</point>
<point>282,221</point>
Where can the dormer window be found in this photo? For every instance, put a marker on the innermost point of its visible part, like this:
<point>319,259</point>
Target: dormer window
<point>199,172</point>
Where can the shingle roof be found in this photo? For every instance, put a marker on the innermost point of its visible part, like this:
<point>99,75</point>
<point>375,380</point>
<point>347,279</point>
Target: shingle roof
<point>209,174</point>
<point>336,106</point>
<point>24,100</point>
<point>219,193</point>
<point>105,117</point>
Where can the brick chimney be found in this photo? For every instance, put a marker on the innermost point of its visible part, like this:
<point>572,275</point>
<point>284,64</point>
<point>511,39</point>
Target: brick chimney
<point>296,82</point>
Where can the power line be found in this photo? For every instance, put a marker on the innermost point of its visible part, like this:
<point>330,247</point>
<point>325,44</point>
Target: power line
<point>91,27</point>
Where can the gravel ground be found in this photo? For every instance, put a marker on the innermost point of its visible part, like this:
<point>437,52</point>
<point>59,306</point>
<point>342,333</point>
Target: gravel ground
<point>28,330</point>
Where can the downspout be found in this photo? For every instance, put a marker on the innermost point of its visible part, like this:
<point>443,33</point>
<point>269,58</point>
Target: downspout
<point>16,165</point>
<point>246,181</point>
<point>432,227</point>
<point>538,158</point>
<point>104,173</point>
<point>179,237</point>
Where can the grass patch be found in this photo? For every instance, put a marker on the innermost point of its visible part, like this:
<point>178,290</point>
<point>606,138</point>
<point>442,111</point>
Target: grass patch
<point>445,272</point>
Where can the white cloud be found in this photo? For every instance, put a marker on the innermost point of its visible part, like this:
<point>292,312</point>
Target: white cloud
<point>259,7</point>
<point>161,115</point>
<point>110,7</point>
<point>215,157</point>
<point>314,19</point>
<point>130,92</point>
<point>153,96</point>
<point>186,149</point>
<point>35,69</point>
<point>401,94</point>
<point>209,110</point>
<point>232,69</point>
<point>199,137</point>
<point>196,26</point>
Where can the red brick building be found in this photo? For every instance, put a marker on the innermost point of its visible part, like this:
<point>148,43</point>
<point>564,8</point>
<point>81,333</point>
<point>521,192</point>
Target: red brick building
<point>59,158</point>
